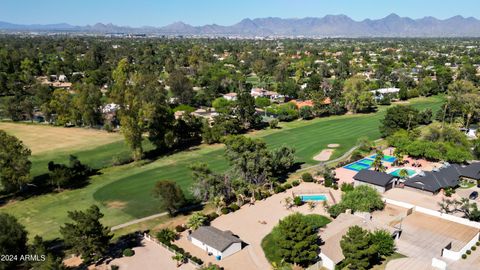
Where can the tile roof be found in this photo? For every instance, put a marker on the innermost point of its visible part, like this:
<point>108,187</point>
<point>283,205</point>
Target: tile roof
<point>373,177</point>
<point>447,176</point>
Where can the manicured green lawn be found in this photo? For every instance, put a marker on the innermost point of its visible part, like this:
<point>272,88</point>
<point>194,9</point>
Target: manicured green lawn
<point>124,193</point>
<point>269,242</point>
<point>97,158</point>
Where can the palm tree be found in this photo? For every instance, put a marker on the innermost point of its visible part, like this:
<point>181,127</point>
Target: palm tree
<point>398,157</point>
<point>179,258</point>
<point>377,163</point>
<point>288,202</point>
<point>196,220</point>
<point>403,174</point>
<point>240,198</point>
<point>311,205</point>
<point>166,236</point>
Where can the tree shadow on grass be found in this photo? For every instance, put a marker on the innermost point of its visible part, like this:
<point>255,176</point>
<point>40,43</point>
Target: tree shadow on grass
<point>41,185</point>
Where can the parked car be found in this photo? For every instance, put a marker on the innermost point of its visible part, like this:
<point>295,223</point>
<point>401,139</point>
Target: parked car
<point>473,195</point>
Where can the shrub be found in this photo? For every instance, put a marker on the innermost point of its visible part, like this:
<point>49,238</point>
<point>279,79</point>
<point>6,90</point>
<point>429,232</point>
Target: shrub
<point>114,267</point>
<point>120,160</point>
<point>196,260</point>
<point>335,186</point>
<point>328,182</point>
<point>234,207</point>
<point>225,210</point>
<point>128,252</point>
<point>448,191</point>
<point>307,177</point>
<point>346,187</point>
<point>295,183</point>
<point>258,196</point>
<point>273,123</point>
<point>477,244</point>
<point>464,256</point>
<point>336,210</point>
<point>469,252</point>
<point>279,189</point>
<point>212,216</point>
<point>179,228</point>
<point>474,248</point>
<point>177,248</point>
<point>297,201</point>
<point>287,186</point>
<point>108,127</point>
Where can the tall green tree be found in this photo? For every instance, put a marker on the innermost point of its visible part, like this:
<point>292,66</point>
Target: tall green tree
<point>384,242</point>
<point>357,248</point>
<point>88,102</point>
<point>14,163</point>
<point>399,117</point>
<point>298,240</point>
<point>356,94</point>
<point>181,87</point>
<point>13,240</point>
<point>207,184</point>
<point>86,234</point>
<point>170,195</point>
<point>250,158</point>
<point>245,110</point>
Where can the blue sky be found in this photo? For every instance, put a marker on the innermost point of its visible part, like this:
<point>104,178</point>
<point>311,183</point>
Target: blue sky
<point>224,12</point>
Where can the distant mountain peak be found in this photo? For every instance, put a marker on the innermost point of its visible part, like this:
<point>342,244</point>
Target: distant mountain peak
<point>328,26</point>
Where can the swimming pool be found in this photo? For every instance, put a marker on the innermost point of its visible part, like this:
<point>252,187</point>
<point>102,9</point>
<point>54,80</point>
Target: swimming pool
<point>313,197</point>
<point>409,171</point>
<point>385,158</point>
<point>359,165</point>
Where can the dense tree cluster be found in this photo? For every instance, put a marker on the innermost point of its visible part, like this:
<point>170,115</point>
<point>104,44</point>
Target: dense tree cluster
<point>253,166</point>
<point>363,249</point>
<point>362,199</point>
<point>14,163</point>
<point>86,235</point>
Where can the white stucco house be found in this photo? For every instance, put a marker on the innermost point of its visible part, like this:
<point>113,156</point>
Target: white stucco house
<point>230,96</point>
<point>380,93</point>
<point>220,244</point>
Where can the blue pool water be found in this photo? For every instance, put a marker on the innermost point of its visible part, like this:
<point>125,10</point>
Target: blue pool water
<point>359,165</point>
<point>385,158</point>
<point>397,172</point>
<point>316,197</point>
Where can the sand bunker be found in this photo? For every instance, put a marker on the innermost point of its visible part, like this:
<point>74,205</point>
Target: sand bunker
<point>333,145</point>
<point>116,204</point>
<point>324,155</point>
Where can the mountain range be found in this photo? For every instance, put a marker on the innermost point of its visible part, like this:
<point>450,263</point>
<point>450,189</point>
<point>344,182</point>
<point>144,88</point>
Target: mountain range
<point>328,26</point>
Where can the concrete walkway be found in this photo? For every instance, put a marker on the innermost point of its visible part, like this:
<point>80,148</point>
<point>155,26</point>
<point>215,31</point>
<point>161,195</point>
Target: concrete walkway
<point>140,220</point>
